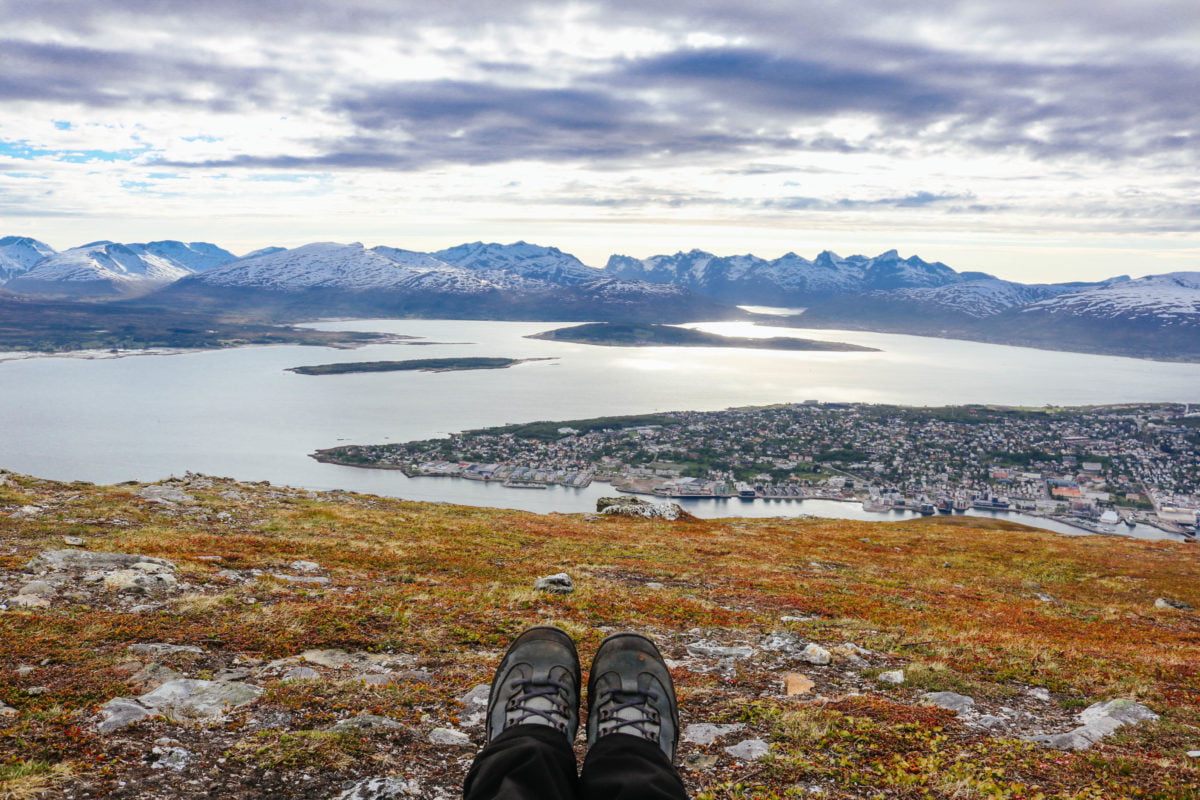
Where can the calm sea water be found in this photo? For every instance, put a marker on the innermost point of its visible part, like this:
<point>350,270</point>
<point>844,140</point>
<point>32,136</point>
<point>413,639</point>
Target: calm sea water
<point>238,413</point>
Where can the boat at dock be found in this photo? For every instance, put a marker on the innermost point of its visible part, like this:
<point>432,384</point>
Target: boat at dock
<point>991,503</point>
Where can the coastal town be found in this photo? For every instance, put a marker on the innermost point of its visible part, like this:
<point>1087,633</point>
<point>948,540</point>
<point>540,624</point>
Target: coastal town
<point>1095,468</point>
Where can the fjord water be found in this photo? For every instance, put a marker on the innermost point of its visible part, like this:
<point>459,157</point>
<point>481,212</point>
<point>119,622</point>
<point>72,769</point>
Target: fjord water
<point>238,413</point>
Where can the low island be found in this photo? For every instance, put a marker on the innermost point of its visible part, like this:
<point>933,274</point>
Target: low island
<point>617,334</point>
<point>418,364</point>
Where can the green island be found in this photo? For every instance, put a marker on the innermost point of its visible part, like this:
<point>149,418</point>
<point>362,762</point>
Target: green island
<point>632,334</point>
<point>417,364</point>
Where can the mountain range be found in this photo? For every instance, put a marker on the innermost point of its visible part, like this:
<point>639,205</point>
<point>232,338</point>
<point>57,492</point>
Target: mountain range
<point>1156,316</point>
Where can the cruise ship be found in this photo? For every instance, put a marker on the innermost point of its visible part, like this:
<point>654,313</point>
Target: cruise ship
<point>992,503</point>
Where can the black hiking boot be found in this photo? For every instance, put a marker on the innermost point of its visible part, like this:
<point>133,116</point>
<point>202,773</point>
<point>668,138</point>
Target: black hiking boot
<point>630,691</point>
<point>537,683</point>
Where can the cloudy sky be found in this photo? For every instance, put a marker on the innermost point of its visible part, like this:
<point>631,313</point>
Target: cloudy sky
<point>1039,141</point>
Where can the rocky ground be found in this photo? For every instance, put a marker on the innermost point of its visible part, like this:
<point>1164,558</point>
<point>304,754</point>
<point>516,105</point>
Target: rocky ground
<point>207,638</point>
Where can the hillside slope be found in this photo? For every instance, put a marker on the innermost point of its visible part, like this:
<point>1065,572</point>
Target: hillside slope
<point>311,610</point>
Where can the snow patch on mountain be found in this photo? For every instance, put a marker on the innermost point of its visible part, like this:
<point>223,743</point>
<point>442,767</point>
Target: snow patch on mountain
<point>18,254</point>
<point>324,265</point>
<point>117,267</point>
<point>192,256</point>
<point>531,260</point>
<point>1170,298</point>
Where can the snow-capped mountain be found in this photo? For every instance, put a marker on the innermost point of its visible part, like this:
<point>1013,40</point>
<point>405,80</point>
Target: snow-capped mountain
<point>328,278</point>
<point>192,256</point>
<point>18,254</point>
<point>98,269</point>
<point>1165,300</point>
<point>787,280</point>
<point>534,261</point>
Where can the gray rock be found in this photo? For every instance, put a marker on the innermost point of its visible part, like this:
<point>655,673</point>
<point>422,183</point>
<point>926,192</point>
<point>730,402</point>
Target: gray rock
<point>136,581</point>
<point>7,710</point>
<point>121,712</point>
<point>559,583</point>
<point>1123,711</point>
<point>699,762</point>
<point>1044,598</point>
<point>301,674</point>
<point>37,587</point>
<point>1038,693</point>
<point>232,675</point>
<point>382,788</point>
<point>815,654</point>
<point>449,737</point>
<point>637,507</point>
<point>988,722</point>
<point>27,512</point>
<point>336,658</point>
<point>188,697</point>
<point>376,679</point>
<point>706,733</point>
<point>1170,603</point>
<point>163,649</point>
<point>26,669</point>
<point>164,494</point>
<point>304,566</point>
<point>1193,753</point>
<point>367,722</point>
<point>28,601</point>
<point>782,642</point>
<point>173,758</point>
<point>272,719</point>
<point>153,676</point>
<point>59,560</point>
<point>654,585</point>
<point>311,579</point>
<point>476,702</point>
<point>749,750</point>
<point>416,676</point>
<point>950,700</point>
<point>713,650</point>
<point>1099,720</point>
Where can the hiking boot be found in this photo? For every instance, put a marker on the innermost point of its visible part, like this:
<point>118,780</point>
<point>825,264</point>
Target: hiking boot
<point>537,683</point>
<point>630,691</point>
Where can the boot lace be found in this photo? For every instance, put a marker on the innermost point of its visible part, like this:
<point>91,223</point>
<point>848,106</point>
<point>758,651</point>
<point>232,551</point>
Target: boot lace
<point>543,702</point>
<point>620,709</point>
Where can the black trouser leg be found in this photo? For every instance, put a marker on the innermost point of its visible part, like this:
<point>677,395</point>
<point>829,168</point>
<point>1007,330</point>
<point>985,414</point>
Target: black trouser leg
<point>623,767</point>
<point>524,762</point>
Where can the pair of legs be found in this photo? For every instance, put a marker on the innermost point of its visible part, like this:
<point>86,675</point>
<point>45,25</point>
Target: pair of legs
<point>533,715</point>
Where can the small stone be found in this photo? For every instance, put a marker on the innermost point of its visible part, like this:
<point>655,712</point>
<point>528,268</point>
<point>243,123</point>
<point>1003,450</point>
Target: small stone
<point>152,676</point>
<point>209,558</point>
<point>381,788</point>
<point>891,676</point>
<point>200,699</point>
<point>704,733</point>
<point>173,758</point>
<point>1193,753</point>
<point>7,710</point>
<point>797,683</point>
<point>163,649</point>
<point>988,722</point>
<point>28,601</point>
<point>1044,598</point>
<point>1122,710</point>
<point>712,650</point>
<point>309,579</point>
<point>37,587</point>
<point>1038,693</point>
<point>367,722</point>
<point>949,700</point>
<point>376,679</point>
<point>304,566</point>
<point>699,761</point>
<point>164,494</point>
<point>655,585</point>
<point>449,737</point>
<point>416,676</point>
<point>1168,603</point>
<point>58,560</point>
<point>815,654</point>
<point>301,674</point>
<point>559,583</point>
<point>25,669</point>
<point>232,675</point>
<point>749,750</point>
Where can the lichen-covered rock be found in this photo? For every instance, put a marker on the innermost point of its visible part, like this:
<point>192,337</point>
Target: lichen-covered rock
<point>949,700</point>
<point>713,650</point>
<point>381,788</point>
<point>164,494</point>
<point>559,583</point>
<point>60,560</point>
<point>815,654</point>
<point>163,648</point>
<point>188,697</point>
<point>121,712</point>
<point>138,581</point>
<point>1166,603</point>
<point>449,737</point>
<point>367,722</point>
<point>749,750</point>
<point>891,676</point>
<point>705,733</point>
<point>1099,720</point>
<point>637,507</point>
